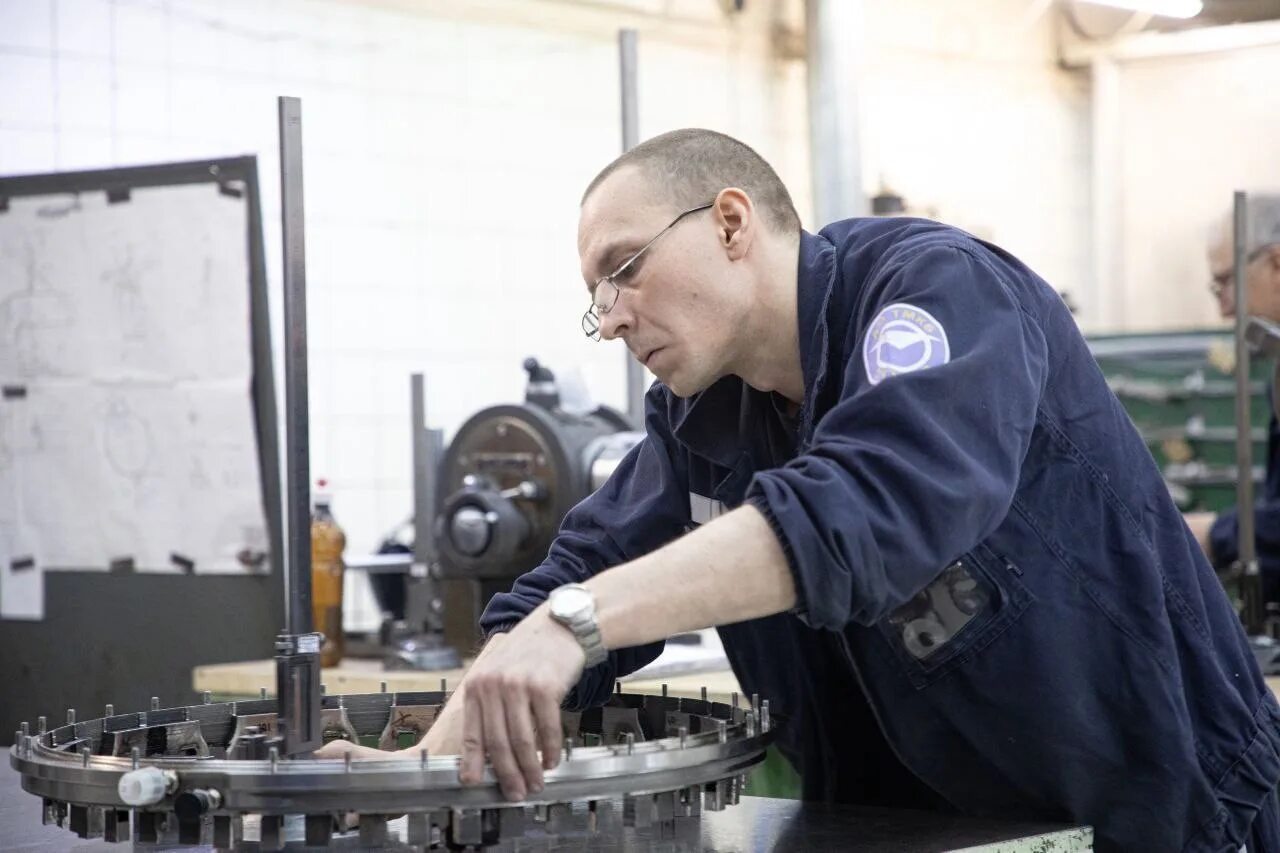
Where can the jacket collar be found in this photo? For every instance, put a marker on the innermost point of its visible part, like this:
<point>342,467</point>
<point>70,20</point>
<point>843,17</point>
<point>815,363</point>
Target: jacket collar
<point>711,422</point>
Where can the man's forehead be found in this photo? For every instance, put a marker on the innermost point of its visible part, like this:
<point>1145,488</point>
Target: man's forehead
<point>1222,243</point>
<point>1221,255</point>
<point>621,209</point>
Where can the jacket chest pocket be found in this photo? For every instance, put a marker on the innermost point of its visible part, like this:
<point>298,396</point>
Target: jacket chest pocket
<point>955,617</point>
<point>717,491</point>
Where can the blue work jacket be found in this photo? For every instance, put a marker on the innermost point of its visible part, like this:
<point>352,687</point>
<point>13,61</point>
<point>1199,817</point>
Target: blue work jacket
<point>1000,610</point>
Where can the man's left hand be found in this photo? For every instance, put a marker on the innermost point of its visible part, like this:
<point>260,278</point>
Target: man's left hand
<point>513,697</point>
<point>1201,523</point>
<point>342,748</point>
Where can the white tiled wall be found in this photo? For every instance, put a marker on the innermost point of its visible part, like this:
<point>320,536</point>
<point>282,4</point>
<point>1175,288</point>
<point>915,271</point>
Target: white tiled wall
<point>1195,128</point>
<point>446,147</point>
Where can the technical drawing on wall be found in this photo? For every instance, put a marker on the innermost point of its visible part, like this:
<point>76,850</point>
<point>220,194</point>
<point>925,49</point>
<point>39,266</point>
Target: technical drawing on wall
<point>127,429</point>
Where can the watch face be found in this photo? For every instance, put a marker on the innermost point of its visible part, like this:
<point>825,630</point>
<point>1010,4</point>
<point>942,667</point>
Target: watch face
<point>568,603</point>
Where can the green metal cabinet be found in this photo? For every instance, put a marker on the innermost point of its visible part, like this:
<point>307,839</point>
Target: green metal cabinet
<point>1179,389</point>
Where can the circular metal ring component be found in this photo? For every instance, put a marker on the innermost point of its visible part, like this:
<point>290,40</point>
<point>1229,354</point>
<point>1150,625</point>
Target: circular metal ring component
<point>198,774</point>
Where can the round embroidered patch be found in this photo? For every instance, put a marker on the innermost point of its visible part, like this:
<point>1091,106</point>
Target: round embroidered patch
<point>902,339</point>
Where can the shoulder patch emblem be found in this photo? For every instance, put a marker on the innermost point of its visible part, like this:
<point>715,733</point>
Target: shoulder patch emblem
<point>902,339</point>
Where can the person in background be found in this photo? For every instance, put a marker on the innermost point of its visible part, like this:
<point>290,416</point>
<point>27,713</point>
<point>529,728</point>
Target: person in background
<point>1218,533</point>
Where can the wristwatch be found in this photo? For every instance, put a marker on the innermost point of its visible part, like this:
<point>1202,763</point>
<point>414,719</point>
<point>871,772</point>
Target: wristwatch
<point>574,607</point>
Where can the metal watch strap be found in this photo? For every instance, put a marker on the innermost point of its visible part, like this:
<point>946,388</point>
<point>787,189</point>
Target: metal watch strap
<point>586,631</point>
<point>592,646</point>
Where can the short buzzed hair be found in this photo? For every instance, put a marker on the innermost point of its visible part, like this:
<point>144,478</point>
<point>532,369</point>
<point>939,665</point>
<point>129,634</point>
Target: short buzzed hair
<point>692,165</point>
<point>1263,228</point>
<point>1262,223</point>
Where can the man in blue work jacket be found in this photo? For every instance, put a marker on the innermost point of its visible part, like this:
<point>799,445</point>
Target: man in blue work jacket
<point>881,460</point>
<point>1219,534</point>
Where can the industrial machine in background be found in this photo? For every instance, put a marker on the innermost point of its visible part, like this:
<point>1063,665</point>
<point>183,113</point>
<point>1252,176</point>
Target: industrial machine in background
<point>487,509</point>
<point>509,477</point>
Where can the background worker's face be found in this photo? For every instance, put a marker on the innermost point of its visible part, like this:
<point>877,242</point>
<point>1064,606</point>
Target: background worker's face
<point>1261,282</point>
<point>678,307</point>
<point>1222,285</point>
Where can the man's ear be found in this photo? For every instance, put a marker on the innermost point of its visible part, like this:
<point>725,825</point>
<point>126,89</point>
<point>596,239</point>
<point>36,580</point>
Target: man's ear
<point>735,216</point>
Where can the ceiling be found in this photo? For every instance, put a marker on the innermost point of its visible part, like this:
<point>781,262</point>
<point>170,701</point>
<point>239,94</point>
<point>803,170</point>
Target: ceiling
<point>1092,21</point>
<point>1226,12</point>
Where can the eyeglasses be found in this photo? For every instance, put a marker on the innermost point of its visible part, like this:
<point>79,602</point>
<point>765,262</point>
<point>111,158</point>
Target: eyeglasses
<point>1221,281</point>
<point>604,293</point>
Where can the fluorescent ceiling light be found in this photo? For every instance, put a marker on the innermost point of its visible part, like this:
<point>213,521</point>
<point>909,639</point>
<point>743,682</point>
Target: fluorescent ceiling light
<point>1168,8</point>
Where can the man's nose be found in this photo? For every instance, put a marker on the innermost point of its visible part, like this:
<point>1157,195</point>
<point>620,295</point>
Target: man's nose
<point>616,323</point>
<point>1227,302</point>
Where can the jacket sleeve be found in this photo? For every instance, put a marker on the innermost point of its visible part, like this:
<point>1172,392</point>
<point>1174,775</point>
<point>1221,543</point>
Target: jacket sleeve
<point>643,505</point>
<point>908,473</point>
<point>1224,536</point>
